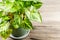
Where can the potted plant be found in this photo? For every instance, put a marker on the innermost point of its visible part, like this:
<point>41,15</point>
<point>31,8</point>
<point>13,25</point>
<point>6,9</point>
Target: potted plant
<point>16,17</point>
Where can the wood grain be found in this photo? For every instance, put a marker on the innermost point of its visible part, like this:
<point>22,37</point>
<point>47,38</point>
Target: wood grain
<point>44,33</point>
<point>49,29</point>
<point>50,11</point>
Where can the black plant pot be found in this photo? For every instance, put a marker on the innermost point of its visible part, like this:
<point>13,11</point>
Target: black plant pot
<point>19,33</point>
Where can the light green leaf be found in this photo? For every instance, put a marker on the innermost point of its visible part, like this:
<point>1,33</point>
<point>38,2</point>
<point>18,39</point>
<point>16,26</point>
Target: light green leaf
<point>8,6</point>
<point>17,21</point>
<point>12,0</point>
<point>33,14</point>
<point>4,26</point>
<point>1,6</point>
<point>5,18</point>
<point>6,34</point>
<point>15,7</point>
<point>4,29</point>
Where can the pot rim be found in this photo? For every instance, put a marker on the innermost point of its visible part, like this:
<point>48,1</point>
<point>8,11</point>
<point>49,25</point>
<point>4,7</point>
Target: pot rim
<point>21,37</point>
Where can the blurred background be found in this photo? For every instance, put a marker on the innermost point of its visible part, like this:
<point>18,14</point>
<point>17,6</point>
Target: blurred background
<point>50,11</point>
<point>49,29</point>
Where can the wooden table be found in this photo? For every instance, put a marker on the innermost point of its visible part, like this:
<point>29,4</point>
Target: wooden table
<point>44,31</point>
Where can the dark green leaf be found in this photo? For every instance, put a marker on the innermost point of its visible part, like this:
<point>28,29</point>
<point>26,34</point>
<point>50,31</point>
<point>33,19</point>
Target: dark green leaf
<point>0,14</point>
<point>28,23</point>
<point>31,0</point>
<point>37,5</point>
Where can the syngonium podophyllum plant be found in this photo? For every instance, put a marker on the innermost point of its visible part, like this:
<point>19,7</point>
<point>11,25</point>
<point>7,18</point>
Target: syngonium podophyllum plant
<point>18,13</point>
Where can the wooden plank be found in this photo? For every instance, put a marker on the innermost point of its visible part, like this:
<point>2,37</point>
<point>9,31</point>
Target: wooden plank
<point>50,11</point>
<point>44,33</point>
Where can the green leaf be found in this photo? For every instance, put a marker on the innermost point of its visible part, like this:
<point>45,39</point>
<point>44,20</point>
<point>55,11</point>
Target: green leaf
<point>8,6</point>
<point>37,5</point>
<point>1,6</point>
<point>6,33</point>
<point>5,18</point>
<point>16,6</point>
<point>4,29</point>
<point>12,0</point>
<point>28,23</point>
<point>4,26</point>
<point>0,20</point>
<point>33,14</point>
<point>31,0</point>
<point>0,14</point>
<point>17,21</point>
<point>3,13</point>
